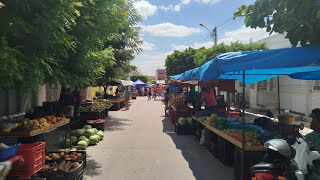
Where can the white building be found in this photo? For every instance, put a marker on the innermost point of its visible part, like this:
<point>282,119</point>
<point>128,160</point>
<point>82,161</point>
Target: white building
<point>296,95</point>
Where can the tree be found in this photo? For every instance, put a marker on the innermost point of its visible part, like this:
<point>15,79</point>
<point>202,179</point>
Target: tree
<point>153,82</point>
<point>179,62</point>
<point>300,19</point>
<point>142,78</point>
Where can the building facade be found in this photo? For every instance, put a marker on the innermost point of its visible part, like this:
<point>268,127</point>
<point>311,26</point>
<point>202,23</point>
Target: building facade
<point>299,96</point>
<point>160,74</point>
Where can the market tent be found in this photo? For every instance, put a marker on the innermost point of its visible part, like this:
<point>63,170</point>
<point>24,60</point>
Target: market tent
<point>139,83</point>
<point>259,65</point>
<point>161,82</point>
<point>124,82</point>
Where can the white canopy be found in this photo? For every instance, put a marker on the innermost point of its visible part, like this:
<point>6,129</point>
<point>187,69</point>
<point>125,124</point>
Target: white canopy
<point>124,82</point>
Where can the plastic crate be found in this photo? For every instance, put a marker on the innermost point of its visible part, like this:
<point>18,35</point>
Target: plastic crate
<point>11,151</point>
<point>34,159</point>
<point>59,175</point>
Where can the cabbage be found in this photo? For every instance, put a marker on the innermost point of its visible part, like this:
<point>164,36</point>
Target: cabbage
<point>181,121</point>
<point>101,134</point>
<point>87,127</point>
<point>82,145</point>
<point>74,140</point>
<point>65,143</point>
<point>93,140</point>
<point>96,135</point>
<point>189,120</point>
<point>89,132</point>
<point>78,132</point>
<point>95,130</point>
<point>83,138</point>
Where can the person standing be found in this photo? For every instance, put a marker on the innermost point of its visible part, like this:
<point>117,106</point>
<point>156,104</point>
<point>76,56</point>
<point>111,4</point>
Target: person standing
<point>127,98</point>
<point>69,103</point>
<point>209,98</point>
<point>149,94</point>
<point>77,96</point>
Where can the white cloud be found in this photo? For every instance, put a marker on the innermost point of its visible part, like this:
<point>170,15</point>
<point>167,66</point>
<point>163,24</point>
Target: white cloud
<point>145,9</point>
<point>146,46</point>
<point>208,1</point>
<point>170,7</point>
<point>194,45</point>
<point>170,30</point>
<point>148,63</point>
<point>244,34</point>
<point>185,2</point>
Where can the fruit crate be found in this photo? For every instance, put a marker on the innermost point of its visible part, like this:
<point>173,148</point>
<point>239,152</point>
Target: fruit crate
<point>60,175</point>
<point>98,124</point>
<point>34,160</point>
<point>234,115</point>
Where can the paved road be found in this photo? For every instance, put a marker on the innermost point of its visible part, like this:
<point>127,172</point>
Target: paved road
<point>140,144</point>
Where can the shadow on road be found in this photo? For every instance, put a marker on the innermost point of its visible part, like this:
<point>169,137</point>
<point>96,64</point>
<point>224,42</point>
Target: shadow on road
<point>115,124</point>
<point>202,163</point>
<point>93,168</point>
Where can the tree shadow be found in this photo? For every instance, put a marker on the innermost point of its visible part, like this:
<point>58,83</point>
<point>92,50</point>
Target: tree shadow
<point>93,168</point>
<point>115,124</point>
<point>201,162</point>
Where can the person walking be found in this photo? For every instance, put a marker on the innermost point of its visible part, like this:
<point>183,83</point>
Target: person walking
<point>149,94</point>
<point>127,98</point>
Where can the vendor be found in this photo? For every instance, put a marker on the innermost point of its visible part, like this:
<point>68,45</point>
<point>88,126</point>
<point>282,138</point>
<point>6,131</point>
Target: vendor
<point>313,139</point>
<point>192,97</point>
<point>209,98</point>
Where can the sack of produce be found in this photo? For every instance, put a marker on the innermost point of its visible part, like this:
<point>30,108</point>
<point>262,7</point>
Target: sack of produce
<point>101,134</point>
<point>82,145</point>
<point>89,132</point>
<point>93,140</point>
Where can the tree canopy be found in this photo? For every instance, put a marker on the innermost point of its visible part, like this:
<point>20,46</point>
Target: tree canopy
<point>181,61</point>
<point>142,78</point>
<point>300,19</point>
<point>68,42</point>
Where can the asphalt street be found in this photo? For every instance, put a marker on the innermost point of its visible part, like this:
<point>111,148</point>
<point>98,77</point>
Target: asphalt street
<point>140,144</point>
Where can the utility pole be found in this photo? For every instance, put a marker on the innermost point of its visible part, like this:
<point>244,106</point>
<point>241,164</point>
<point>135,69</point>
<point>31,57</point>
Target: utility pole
<point>213,33</point>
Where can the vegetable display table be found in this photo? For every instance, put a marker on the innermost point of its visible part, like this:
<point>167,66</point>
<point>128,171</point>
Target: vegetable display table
<point>253,154</point>
<point>118,104</point>
<point>177,113</point>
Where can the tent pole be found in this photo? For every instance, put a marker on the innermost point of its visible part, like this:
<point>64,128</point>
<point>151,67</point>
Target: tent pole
<point>279,107</point>
<point>243,120</point>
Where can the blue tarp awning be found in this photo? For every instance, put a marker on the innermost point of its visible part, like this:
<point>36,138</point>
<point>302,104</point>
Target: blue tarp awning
<point>299,63</point>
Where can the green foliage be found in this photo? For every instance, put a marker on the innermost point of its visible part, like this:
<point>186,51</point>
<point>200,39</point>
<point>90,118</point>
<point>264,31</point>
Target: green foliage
<point>299,18</point>
<point>68,42</point>
<point>179,62</point>
<point>142,78</point>
<point>153,82</point>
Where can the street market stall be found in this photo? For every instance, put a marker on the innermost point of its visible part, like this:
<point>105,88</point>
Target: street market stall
<point>249,67</point>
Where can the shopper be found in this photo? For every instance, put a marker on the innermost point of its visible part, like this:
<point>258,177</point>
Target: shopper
<point>69,103</point>
<point>77,96</point>
<point>149,94</point>
<point>209,98</point>
<point>127,97</point>
<point>314,139</point>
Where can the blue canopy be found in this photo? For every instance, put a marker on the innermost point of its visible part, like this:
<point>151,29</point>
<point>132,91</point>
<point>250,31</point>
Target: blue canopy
<point>139,83</point>
<point>299,63</point>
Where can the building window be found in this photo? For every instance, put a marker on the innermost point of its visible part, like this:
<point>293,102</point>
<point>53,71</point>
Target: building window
<point>271,85</point>
<point>316,85</point>
<point>262,85</point>
<point>252,86</point>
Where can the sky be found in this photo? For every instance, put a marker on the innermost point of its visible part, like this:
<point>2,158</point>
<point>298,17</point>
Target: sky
<point>170,25</point>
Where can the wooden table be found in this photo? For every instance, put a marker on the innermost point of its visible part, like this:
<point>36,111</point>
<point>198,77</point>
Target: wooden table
<point>177,113</point>
<point>253,154</point>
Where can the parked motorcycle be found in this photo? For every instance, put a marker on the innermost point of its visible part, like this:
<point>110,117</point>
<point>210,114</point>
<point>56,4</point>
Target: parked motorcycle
<point>286,159</point>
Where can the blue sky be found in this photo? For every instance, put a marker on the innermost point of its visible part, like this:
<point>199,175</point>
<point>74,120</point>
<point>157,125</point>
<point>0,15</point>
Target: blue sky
<point>170,25</point>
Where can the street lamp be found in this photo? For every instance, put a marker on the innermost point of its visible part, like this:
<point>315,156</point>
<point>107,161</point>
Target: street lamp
<point>212,33</point>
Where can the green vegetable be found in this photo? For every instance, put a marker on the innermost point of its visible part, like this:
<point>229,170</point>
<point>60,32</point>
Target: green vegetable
<point>78,132</point>
<point>181,121</point>
<point>93,140</point>
<point>65,143</point>
<point>96,135</point>
<point>87,127</point>
<point>82,145</point>
<point>83,138</point>
<point>101,134</point>
<point>61,150</point>
<point>95,130</point>
<point>74,140</point>
<point>89,132</point>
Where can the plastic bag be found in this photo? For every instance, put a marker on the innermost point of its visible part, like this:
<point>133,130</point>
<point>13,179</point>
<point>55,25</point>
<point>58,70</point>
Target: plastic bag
<point>302,150</point>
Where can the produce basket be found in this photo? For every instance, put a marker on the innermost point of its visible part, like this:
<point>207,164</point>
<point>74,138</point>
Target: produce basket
<point>34,159</point>
<point>285,119</point>
<point>61,175</point>
<point>9,152</point>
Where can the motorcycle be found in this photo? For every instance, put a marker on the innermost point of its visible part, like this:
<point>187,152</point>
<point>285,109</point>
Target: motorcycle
<point>285,159</point>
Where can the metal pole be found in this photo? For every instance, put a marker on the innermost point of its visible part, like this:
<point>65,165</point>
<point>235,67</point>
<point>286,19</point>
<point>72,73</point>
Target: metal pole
<point>243,120</point>
<point>279,107</point>
<point>215,36</point>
